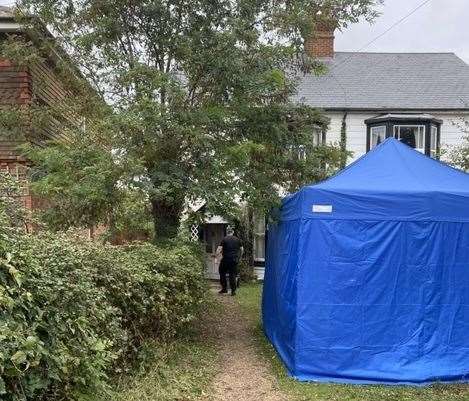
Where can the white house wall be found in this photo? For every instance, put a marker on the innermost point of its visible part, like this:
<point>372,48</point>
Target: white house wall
<point>451,134</point>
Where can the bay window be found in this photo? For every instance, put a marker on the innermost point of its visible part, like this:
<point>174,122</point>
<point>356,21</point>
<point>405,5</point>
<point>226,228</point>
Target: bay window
<point>419,131</point>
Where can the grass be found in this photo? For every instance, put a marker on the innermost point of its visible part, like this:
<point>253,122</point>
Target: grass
<point>249,299</point>
<point>178,371</point>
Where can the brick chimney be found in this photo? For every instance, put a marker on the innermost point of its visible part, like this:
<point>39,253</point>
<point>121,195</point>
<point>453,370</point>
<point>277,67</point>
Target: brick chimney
<point>320,43</point>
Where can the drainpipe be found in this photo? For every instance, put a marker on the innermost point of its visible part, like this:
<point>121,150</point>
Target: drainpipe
<point>343,141</point>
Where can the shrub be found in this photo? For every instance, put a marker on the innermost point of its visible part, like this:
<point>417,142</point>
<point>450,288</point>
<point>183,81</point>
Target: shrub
<point>246,272</point>
<point>71,311</point>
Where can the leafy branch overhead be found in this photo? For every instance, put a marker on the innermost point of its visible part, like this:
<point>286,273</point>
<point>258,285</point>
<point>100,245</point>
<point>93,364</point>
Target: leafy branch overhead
<point>200,92</point>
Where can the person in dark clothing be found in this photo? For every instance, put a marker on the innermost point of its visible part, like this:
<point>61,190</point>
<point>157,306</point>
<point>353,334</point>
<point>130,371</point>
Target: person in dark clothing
<point>231,249</point>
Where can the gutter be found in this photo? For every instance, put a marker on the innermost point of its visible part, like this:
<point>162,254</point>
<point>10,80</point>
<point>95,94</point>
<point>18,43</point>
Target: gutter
<point>394,111</point>
<point>9,26</point>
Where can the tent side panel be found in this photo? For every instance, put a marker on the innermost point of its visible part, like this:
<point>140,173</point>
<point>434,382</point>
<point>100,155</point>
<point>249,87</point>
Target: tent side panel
<point>279,293</point>
<point>383,302</point>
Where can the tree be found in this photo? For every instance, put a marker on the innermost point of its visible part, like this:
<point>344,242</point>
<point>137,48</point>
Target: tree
<point>200,92</point>
<point>77,174</point>
<point>459,155</point>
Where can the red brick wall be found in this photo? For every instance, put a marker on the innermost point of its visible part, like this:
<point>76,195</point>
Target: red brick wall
<point>15,84</point>
<point>15,90</point>
<point>320,44</point>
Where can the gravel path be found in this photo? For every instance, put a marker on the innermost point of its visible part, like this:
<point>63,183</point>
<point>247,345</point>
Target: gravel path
<point>242,374</point>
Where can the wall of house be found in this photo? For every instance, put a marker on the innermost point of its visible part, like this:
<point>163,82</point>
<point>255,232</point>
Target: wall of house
<point>15,84</point>
<point>48,90</point>
<point>451,133</point>
<point>21,87</point>
<point>15,90</point>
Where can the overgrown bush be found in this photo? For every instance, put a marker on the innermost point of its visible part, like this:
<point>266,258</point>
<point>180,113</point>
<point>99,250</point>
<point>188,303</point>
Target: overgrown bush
<point>72,312</point>
<point>246,272</point>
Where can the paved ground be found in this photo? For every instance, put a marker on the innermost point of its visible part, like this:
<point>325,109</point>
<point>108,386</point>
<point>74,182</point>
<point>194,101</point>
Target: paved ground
<point>242,375</point>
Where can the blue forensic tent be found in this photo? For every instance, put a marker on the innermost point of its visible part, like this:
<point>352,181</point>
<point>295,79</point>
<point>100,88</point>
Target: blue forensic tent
<point>367,273</point>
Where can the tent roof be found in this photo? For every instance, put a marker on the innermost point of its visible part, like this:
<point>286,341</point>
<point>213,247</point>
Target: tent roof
<point>395,167</point>
<point>391,182</point>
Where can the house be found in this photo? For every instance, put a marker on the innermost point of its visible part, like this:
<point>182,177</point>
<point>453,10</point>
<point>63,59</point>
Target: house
<point>21,88</point>
<point>418,98</point>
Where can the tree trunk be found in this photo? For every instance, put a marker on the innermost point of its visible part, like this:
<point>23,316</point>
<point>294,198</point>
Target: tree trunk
<point>166,218</point>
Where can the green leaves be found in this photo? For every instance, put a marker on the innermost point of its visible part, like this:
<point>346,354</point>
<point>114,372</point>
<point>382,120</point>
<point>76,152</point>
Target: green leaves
<point>459,155</point>
<point>18,358</point>
<point>3,389</point>
<point>83,309</point>
<point>200,104</point>
<point>80,182</point>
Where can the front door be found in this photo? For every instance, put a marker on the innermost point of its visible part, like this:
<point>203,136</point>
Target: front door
<point>213,234</point>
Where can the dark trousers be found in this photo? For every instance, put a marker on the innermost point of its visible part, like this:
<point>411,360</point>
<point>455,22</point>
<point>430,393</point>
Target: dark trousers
<point>229,267</point>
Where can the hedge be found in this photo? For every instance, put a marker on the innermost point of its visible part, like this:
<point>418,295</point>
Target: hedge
<point>73,312</point>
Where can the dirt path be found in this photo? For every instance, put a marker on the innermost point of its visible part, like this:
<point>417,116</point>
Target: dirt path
<point>242,374</point>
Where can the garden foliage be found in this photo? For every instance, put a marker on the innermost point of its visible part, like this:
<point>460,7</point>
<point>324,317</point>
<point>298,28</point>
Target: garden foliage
<point>73,312</point>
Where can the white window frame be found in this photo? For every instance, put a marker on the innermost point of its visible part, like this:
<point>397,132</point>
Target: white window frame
<point>380,127</point>
<point>258,231</point>
<point>397,134</point>
<point>433,141</point>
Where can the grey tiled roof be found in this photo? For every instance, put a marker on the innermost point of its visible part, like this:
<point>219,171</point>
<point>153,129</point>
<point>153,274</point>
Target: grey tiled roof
<point>392,81</point>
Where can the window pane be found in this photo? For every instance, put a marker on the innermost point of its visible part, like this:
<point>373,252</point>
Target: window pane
<point>259,247</point>
<point>378,135</point>
<point>412,135</point>
<point>259,236</point>
<point>317,137</point>
<point>421,138</point>
<point>259,224</point>
<point>301,152</point>
<point>433,141</point>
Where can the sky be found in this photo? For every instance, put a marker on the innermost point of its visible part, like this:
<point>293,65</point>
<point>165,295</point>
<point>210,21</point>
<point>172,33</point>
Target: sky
<point>439,26</point>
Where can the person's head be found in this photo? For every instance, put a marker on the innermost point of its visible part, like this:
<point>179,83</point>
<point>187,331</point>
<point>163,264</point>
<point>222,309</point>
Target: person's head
<point>229,231</point>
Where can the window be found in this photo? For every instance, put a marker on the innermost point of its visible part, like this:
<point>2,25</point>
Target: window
<point>301,152</point>
<point>412,135</point>
<point>378,135</point>
<point>419,131</point>
<point>259,238</point>
<point>318,137</point>
<point>433,141</point>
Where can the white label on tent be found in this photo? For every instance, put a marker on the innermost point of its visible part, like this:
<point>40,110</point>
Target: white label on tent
<point>322,208</point>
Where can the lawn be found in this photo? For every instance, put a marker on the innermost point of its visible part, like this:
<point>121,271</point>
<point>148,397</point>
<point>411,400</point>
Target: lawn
<point>249,299</point>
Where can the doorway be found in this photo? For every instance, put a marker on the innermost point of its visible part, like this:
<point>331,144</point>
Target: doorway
<point>213,235</point>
